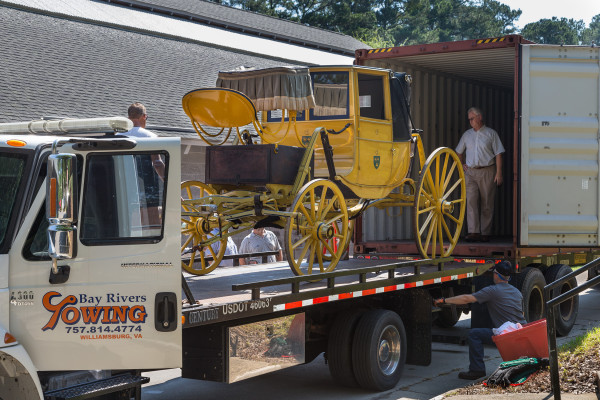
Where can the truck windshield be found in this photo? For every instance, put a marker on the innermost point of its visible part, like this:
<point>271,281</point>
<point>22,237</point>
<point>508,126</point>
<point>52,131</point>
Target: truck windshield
<point>12,169</point>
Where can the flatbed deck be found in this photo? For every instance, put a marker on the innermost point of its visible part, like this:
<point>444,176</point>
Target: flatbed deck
<point>235,292</point>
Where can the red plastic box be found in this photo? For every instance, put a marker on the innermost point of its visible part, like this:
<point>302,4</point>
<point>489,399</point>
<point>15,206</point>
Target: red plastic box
<point>529,341</point>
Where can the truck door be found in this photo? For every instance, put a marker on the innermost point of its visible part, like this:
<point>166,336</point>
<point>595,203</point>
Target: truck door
<point>559,146</point>
<point>120,304</point>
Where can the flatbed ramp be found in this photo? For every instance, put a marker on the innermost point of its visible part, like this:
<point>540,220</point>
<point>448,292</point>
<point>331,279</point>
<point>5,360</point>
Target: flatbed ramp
<point>231,293</point>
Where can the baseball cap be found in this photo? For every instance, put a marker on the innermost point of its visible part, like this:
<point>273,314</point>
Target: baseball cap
<point>503,268</point>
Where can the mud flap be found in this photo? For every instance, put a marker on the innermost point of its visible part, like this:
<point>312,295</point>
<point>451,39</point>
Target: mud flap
<point>417,318</point>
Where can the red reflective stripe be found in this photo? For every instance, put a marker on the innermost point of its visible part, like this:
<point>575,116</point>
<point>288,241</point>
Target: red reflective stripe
<point>295,304</point>
<point>368,292</point>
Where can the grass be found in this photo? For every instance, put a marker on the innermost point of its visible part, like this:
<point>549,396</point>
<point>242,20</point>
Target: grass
<point>583,343</point>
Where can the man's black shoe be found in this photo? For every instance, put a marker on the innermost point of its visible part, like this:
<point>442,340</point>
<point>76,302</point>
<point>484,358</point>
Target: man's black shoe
<point>473,237</point>
<point>471,375</point>
<point>485,238</point>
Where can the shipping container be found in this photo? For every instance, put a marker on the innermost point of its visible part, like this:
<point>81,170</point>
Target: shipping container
<point>543,102</point>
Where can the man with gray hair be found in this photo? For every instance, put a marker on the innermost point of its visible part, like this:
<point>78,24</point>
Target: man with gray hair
<point>480,151</point>
<point>138,115</point>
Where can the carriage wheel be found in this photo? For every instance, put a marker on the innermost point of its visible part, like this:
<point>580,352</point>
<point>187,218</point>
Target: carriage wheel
<point>321,207</point>
<point>439,207</point>
<point>195,258</point>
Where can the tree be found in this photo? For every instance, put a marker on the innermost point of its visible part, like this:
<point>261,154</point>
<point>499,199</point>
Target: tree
<point>427,21</point>
<point>487,18</point>
<point>592,33</point>
<point>554,31</point>
<point>273,8</point>
<point>388,13</point>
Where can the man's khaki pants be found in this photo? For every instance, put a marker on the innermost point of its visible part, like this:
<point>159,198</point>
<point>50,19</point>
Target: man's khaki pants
<point>481,193</point>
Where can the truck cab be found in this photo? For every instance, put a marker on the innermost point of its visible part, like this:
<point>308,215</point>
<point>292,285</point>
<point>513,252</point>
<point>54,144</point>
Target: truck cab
<point>89,255</point>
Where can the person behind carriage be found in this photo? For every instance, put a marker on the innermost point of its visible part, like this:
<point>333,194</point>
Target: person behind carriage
<point>258,241</point>
<point>480,151</point>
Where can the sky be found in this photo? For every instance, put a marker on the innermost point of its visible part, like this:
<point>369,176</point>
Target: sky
<point>534,10</point>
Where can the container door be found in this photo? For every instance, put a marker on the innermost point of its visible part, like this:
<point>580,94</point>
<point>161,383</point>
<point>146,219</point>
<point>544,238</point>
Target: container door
<point>559,146</point>
<point>120,305</point>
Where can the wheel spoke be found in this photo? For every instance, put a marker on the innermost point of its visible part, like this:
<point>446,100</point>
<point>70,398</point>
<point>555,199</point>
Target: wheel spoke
<point>456,184</point>
<point>429,196</point>
<point>426,223</point>
<point>453,218</point>
<point>430,183</point>
<point>430,231</point>
<point>309,216</point>
<point>328,247</point>
<point>329,206</point>
<point>444,174</point>
<point>320,209</point>
<point>189,239</point>
<point>319,250</point>
<point>303,252</point>
<point>300,241</point>
<point>311,259</point>
<point>440,236</point>
<point>449,176</point>
<point>333,219</point>
<point>437,175</point>
<point>312,202</point>
<point>447,230</point>
<point>426,210</point>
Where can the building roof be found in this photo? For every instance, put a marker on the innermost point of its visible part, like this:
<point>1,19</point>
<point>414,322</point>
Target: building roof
<point>57,62</point>
<point>208,12</point>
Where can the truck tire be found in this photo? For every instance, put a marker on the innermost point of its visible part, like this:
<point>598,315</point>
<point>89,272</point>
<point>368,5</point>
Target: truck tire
<point>447,317</point>
<point>567,310</point>
<point>531,283</point>
<point>379,350</point>
<point>339,347</point>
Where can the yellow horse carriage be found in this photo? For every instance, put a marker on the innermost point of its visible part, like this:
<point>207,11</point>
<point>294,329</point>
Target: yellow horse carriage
<point>333,142</point>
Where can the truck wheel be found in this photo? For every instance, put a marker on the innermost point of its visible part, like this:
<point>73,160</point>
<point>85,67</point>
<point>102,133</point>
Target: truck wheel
<point>567,310</point>
<point>531,284</point>
<point>379,350</point>
<point>447,317</point>
<point>339,347</point>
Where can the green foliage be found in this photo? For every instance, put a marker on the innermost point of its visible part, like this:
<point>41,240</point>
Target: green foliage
<point>581,344</point>
<point>386,23</point>
<point>554,31</point>
<point>592,33</point>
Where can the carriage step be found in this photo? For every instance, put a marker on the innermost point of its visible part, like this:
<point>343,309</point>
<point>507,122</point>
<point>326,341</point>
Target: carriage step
<point>97,388</point>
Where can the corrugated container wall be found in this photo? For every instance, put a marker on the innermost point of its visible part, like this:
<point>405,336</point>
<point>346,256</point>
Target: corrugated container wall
<point>439,107</point>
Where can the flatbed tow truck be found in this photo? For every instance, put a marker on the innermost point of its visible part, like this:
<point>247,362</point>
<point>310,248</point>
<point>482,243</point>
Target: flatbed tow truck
<point>92,296</point>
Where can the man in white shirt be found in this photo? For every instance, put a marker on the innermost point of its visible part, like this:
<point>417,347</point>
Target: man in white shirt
<point>480,151</point>
<point>137,114</point>
<point>258,241</point>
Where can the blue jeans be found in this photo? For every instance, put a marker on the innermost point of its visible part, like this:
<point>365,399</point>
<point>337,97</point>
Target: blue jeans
<point>477,338</point>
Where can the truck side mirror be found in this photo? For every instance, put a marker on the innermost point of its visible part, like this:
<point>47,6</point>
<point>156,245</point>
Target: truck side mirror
<point>61,207</point>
